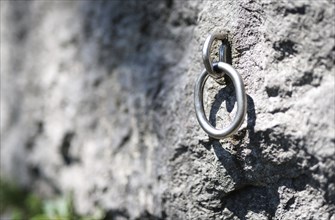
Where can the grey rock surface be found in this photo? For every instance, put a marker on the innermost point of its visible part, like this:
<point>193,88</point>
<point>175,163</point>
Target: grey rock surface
<point>97,99</point>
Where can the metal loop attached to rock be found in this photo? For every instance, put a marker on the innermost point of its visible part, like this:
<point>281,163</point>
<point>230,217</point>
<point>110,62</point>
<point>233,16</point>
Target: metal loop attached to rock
<point>206,54</point>
<point>224,68</point>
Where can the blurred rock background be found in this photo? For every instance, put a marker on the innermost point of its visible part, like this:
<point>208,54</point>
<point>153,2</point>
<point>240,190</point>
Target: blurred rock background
<point>97,102</point>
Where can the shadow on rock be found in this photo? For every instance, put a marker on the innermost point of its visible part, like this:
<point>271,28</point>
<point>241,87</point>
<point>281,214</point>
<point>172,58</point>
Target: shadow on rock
<point>255,163</point>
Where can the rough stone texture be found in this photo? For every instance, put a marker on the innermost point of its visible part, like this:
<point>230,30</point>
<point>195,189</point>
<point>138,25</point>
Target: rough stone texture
<point>97,98</point>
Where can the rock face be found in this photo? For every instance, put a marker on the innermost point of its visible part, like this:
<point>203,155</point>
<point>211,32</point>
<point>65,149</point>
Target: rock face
<point>97,99</point>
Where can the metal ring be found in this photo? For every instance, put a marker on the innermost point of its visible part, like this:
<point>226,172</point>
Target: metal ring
<point>241,100</point>
<point>206,54</point>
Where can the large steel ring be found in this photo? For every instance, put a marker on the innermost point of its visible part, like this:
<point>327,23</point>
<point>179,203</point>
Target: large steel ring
<point>241,100</point>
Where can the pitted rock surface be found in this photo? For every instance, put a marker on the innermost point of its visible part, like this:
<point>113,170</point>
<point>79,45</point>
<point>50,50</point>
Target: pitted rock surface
<point>97,99</point>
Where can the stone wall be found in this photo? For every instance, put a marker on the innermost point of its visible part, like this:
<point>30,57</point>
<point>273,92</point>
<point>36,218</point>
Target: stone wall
<point>97,99</point>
